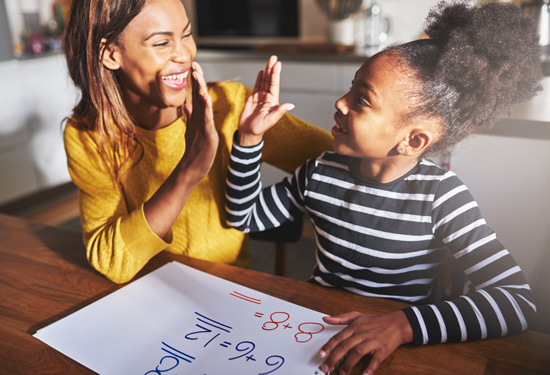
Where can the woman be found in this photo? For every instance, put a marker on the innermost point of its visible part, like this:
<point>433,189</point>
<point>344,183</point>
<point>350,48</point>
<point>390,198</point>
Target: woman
<point>147,151</point>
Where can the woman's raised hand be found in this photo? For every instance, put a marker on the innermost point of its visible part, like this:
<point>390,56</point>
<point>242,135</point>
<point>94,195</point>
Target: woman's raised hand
<point>201,137</point>
<point>262,110</point>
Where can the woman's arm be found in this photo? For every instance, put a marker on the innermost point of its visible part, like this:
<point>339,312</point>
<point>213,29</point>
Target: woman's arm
<point>111,230</point>
<point>162,209</point>
<point>120,240</point>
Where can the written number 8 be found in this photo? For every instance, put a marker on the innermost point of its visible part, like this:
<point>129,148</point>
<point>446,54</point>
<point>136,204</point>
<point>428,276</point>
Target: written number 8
<point>273,324</point>
<point>307,330</point>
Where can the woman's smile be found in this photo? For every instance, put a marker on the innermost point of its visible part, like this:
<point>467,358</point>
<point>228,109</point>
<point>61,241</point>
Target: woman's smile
<point>176,80</point>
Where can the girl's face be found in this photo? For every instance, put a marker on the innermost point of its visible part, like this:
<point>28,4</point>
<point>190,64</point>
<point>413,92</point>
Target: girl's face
<point>369,117</point>
<point>155,53</point>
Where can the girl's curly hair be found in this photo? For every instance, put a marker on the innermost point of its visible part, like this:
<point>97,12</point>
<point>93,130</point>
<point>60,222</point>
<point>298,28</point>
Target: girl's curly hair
<point>478,62</point>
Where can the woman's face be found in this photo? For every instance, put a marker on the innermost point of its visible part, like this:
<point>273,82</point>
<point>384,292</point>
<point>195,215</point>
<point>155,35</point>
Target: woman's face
<point>369,117</point>
<point>155,52</point>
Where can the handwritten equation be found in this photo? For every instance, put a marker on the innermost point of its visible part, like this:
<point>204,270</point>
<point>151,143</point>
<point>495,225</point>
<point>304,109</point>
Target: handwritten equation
<point>212,333</point>
<point>178,320</point>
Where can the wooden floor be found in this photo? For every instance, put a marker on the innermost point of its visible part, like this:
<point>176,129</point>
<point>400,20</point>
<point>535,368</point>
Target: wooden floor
<point>59,207</point>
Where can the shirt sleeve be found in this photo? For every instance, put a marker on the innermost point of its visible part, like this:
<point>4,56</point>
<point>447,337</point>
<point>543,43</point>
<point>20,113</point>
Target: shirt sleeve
<point>118,242</point>
<point>500,301</point>
<point>249,206</point>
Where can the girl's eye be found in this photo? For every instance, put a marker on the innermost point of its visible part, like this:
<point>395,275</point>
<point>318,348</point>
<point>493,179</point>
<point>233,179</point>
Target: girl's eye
<point>160,44</point>
<point>363,102</point>
<point>187,35</point>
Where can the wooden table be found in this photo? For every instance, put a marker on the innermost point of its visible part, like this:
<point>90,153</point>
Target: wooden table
<point>44,276</point>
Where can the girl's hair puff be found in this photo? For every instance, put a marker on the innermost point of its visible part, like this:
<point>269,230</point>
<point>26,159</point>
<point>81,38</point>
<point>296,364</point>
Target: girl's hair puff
<point>478,62</point>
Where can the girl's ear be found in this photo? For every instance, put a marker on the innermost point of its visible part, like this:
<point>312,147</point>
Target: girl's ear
<point>415,143</point>
<point>109,55</point>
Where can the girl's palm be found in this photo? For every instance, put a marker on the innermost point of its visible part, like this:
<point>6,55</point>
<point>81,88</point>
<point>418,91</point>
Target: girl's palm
<point>262,110</point>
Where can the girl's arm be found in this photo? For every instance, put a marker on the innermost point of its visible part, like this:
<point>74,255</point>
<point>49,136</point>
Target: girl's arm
<point>250,207</point>
<point>500,302</point>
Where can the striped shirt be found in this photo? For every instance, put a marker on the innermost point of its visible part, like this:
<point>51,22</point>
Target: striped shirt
<point>388,240</point>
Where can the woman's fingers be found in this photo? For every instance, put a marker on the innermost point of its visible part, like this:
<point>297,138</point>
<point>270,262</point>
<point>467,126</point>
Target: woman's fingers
<point>204,104</point>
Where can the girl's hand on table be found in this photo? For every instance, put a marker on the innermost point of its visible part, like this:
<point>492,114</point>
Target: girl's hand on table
<point>374,335</point>
<point>262,110</point>
<point>201,137</point>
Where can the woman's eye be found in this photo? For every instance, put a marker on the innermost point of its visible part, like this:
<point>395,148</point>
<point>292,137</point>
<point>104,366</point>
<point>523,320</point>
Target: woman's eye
<point>160,44</point>
<point>186,36</point>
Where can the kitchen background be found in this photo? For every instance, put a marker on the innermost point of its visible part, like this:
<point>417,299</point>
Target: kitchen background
<point>507,169</point>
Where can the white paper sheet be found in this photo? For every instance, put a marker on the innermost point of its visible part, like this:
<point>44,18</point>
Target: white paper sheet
<point>178,320</point>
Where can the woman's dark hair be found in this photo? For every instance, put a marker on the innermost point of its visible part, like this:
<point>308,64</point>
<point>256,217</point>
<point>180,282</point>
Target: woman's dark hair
<point>478,62</point>
<point>101,108</point>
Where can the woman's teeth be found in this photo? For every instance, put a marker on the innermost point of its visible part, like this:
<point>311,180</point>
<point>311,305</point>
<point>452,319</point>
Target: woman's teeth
<point>176,77</point>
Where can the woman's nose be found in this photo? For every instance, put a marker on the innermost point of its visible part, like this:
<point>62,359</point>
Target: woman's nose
<point>181,53</point>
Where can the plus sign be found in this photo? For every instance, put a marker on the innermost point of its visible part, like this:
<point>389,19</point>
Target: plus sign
<point>287,326</point>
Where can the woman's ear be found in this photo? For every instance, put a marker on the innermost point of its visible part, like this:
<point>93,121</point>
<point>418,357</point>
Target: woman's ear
<point>415,143</point>
<point>109,55</point>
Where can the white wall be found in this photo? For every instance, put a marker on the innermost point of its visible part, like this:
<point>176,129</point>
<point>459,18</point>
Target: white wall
<point>35,96</point>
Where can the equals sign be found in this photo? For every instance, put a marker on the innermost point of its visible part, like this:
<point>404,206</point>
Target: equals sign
<point>175,352</point>
<point>258,315</point>
<point>225,344</point>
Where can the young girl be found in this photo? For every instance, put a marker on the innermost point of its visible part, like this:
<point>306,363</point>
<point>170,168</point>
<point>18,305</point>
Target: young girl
<point>384,216</point>
<point>149,162</point>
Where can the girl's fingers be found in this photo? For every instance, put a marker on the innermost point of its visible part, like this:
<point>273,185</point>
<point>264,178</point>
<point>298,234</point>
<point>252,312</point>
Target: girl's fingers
<point>268,71</point>
<point>279,112</point>
<point>275,81</point>
<point>345,318</point>
<point>258,84</point>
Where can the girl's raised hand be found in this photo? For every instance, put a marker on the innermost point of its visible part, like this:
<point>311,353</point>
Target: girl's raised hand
<point>262,110</point>
<point>201,137</point>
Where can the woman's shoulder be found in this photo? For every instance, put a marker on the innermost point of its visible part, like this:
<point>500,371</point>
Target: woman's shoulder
<point>229,86</point>
<point>75,135</point>
<point>228,91</point>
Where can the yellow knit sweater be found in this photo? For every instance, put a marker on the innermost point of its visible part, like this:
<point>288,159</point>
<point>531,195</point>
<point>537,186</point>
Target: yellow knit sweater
<point>118,239</point>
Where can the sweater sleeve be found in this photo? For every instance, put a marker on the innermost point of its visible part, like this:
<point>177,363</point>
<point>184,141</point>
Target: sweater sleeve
<point>249,206</point>
<point>500,301</point>
<point>118,242</point>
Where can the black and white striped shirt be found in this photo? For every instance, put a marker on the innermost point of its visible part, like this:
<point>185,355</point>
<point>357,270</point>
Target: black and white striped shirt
<point>388,240</point>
